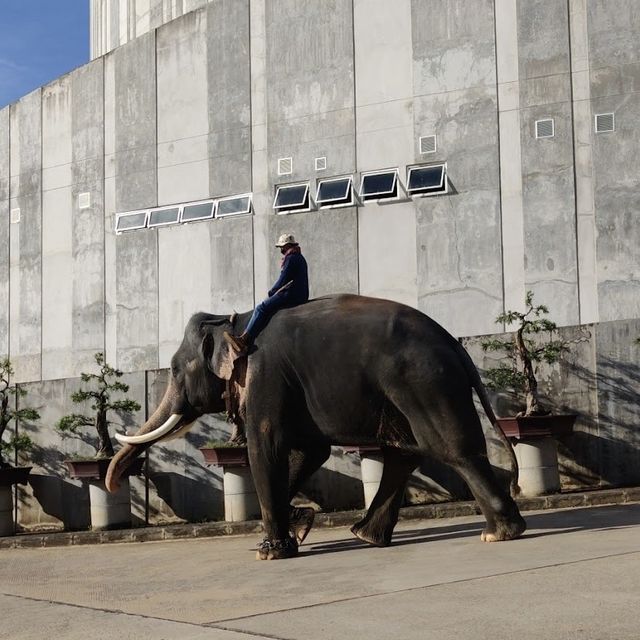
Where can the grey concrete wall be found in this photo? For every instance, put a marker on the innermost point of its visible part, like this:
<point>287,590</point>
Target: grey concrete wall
<point>459,252</point>
<point>547,163</point>
<point>4,232</point>
<point>130,183</point>
<point>25,192</point>
<point>228,96</point>
<point>615,83</point>
<point>72,238</point>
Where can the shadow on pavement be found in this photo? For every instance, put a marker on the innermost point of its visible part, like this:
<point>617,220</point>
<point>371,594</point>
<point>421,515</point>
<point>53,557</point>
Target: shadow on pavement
<point>603,518</point>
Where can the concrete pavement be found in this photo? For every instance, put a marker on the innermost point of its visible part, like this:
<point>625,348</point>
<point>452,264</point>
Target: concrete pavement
<point>575,575</point>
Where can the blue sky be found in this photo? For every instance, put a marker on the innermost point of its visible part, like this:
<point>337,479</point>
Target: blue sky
<point>40,40</point>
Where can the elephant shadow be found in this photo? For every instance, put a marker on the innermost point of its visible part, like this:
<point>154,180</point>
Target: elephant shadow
<point>604,518</point>
<point>189,499</point>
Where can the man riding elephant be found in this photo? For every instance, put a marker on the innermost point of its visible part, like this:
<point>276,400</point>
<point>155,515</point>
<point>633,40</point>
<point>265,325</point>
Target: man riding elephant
<point>290,290</point>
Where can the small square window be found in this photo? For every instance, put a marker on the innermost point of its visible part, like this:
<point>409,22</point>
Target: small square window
<point>234,206</point>
<point>197,211</point>
<point>15,215</point>
<point>379,185</point>
<point>285,166</point>
<point>164,216</point>
<point>427,180</point>
<point>321,163</point>
<point>293,197</point>
<point>428,144</point>
<point>545,128</point>
<point>605,122</point>
<point>131,221</point>
<point>84,200</point>
<point>335,192</point>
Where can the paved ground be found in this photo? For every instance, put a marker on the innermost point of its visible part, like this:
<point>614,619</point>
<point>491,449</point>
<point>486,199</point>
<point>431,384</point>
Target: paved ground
<point>574,575</point>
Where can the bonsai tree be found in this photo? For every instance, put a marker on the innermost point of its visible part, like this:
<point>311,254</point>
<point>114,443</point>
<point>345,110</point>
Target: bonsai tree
<point>525,353</point>
<point>102,386</point>
<point>17,442</point>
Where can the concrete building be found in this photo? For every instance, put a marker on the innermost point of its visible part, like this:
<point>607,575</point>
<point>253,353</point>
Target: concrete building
<point>528,109</point>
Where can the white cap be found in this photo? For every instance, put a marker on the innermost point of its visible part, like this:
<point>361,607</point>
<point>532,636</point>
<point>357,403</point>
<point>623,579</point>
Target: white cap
<point>284,239</point>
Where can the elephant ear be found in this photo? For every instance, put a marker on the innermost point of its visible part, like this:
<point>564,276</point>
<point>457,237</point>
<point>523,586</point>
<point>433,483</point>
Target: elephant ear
<point>220,358</point>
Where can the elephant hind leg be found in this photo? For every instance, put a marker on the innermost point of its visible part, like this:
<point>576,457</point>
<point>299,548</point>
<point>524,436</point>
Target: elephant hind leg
<point>504,521</point>
<point>446,425</point>
<point>377,526</point>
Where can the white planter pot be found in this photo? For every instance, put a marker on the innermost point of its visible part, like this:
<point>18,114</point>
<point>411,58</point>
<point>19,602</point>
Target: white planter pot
<point>109,510</point>
<point>240,498</point>
<point>538,463</point>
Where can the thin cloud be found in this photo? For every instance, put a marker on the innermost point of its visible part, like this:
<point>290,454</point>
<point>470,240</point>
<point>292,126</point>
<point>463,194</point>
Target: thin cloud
<point>10,64</point>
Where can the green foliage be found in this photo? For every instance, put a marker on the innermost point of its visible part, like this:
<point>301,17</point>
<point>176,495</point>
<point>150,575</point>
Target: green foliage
<point>10,395</point>
<point>101,387</point>
<point>528,347</point>
<point>223,444</point>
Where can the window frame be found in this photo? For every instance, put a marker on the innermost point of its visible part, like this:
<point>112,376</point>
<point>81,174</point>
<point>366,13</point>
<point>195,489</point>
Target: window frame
<point>220,216</point>
<point>442,189</point>
<point>197,202</point>
<point>129,214</point>
<point>380,195</point>
<point>164,208</point>
<point>293,208</point>
<point>336,203</point>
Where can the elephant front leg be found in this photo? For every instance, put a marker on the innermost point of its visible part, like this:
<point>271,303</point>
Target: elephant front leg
<point>377,526</point>
<point>270,469</point>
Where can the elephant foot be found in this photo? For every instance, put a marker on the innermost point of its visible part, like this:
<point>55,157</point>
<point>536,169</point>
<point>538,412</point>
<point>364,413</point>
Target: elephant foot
<point>506,531</point>
<point>300,522</point>
<point>277,549</point>
<point>367,534</point>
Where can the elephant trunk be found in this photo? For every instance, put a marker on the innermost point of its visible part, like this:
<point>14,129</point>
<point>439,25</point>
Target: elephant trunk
<point>161,417</point>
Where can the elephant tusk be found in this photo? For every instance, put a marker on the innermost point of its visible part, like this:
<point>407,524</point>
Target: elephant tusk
<point>180,432</point>
<point>152,436</point>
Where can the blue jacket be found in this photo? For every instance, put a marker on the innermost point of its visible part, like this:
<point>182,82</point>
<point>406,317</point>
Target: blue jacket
<point>294,268</point>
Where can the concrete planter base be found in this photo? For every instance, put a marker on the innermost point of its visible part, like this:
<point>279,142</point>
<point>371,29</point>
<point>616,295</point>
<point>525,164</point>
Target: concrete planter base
<point>240,497</point>
<point>536,448</point>
<point>371,466</point>
<point>108,510</point>
<point>538,463</point>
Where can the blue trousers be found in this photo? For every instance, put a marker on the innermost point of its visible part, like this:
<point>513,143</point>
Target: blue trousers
<point>265,311</point>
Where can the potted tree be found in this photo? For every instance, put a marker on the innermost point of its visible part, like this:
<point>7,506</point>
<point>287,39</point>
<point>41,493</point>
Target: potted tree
<point>11,447</point>
<point>534,427</point>
<point>108,511</point>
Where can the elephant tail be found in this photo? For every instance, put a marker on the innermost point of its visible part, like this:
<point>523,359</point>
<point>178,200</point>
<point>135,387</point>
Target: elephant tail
<point>480,389</point>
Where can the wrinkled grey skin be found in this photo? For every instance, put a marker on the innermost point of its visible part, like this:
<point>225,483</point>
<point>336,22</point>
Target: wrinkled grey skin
<point>341,370</point>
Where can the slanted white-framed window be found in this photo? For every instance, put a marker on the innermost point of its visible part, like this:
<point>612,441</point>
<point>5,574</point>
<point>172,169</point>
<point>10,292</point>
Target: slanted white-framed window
<point>427,180</point>
<point>379,185</point>
<point>427,144</point>
<point>292,198</point>
<point>321,163</point>
<point>335,192</point>
<point>131,220</point>
<point>285,166</point>
<point>164,216</point>
<point>605,122</point>
<point>194,211</point>
<point>545,128</point>
<point>234,206</point>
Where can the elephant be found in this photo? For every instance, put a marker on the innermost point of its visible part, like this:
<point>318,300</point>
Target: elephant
<point>336,370</point>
